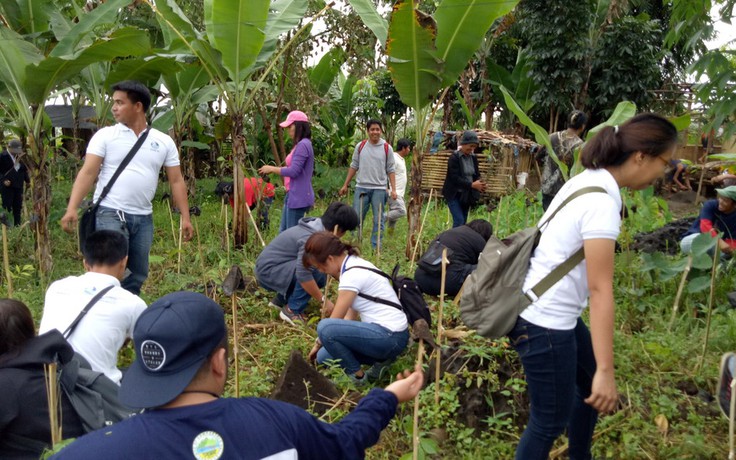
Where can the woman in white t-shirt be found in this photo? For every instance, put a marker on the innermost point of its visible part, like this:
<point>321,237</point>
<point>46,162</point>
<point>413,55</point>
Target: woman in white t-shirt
<point>382,332</point>
<point>569,369</point>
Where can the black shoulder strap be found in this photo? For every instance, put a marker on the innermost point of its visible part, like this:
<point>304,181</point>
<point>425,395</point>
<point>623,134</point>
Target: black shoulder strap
<point>122,166</point>
<point>84,311</point>
<point>370,297</point>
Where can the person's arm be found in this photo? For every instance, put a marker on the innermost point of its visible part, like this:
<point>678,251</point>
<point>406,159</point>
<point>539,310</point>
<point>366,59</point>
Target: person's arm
<point>392,181</point>
<point>82,185</point>
<point>298,162</point>
<point>343,304</point>
<point>351,174</point>
<point>599,256</point>
<point>179,196</point>
<point>708,217</point>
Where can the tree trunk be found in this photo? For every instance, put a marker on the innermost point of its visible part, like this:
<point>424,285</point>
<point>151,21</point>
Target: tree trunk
<point>189,171</point>
<point>41,199</point>
<point>414,213</point>
<point>240,223</point>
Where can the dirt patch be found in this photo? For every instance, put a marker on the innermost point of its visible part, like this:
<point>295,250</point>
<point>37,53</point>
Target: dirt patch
<point>665,239</point>
<point>683,204</point>
<point>302,385</point>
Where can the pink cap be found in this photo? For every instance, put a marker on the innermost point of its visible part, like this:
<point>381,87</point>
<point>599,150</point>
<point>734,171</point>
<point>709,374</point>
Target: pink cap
<point>294,115</point>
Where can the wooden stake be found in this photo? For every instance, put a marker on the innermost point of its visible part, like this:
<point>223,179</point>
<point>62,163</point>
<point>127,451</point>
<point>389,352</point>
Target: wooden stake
<point>439,330</point>
<point>255,225</point>
<point>199,245</point>
<point>700,184</point>
<point>421,229</point>
<point>52,396</point>
<point>327,283</point>
<point>378,241</point>
<point>171,219</point>
<point>716,257</point>
<point>415,426</point>
<point>227,235</point>
<point>6,261</point>
<point>236,356</point>
<point>178,265</point>
<point>683,280</point>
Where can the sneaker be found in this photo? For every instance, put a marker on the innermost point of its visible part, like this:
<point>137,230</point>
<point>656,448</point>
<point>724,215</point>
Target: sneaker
<point>277,302</point>
<point>358,382</point>
<point>378,370</point>
<point>295,319</point>
<point>723,392</point>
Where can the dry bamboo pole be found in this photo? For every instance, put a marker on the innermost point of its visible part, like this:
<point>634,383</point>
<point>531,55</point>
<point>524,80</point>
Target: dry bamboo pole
<point>52,396</point>
<point>421,229</point>
<point>498,215</point>
<point>438,351</point>
<point>178,264</point>
<point>227,235</point>
<point>6,260</point>
<point>716,257</point>
<point>378,240</point>
<point>415,426</point>
<point>700,184</point>
<point>199,245</point>
<point>255,225</point>
<point>680,288</point>
<point>171,219</point>
<point>236,354</point>
<point>731,414</point>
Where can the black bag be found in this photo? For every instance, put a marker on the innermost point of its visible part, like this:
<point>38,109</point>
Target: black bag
<point>410,296</point>
<point>431,260</point>
<point>92,394</point>
<point>87,223</point>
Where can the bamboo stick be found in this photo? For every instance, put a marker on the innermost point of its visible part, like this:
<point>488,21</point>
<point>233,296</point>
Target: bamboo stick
<point>415,426</point>
<point>327,284</point>
<point>255,226</point>
<point>439,329</point>
<point>6,261</point>
<point>421,229</point>
<point>178,264</point>
<point>680,288</point>
<point>236,354</point>
<point>716,257</point>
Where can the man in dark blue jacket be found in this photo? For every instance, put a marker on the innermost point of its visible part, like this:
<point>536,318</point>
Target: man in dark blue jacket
<point>180,372</point>
<point>13,175</point>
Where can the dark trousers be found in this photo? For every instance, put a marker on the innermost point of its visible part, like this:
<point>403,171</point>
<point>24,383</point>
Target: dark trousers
<point>12,201</point>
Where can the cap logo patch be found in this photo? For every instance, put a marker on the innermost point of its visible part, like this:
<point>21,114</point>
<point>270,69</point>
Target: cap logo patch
<point>153,355</point>
<point>208,445</point>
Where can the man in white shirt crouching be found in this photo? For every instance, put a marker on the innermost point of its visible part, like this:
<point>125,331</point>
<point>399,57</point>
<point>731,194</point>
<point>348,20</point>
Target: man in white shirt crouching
<point>109,322</point>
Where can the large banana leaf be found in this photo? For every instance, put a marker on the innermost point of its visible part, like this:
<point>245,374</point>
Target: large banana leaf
<point>147,70</point>
<point>237,29</point>
<point>31,16</point>
<point>283,16</point>
<point>43,77</point>
<point>16,55</point>
<point>623,111</point>
<point>175,25</point>
<point>323,74</point>
<point>370,17</point>
<point>415,69</point>
<point>461,26</point>
<point>79,37</point>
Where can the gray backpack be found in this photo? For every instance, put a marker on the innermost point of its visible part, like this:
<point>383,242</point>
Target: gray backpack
<point>492,296</point>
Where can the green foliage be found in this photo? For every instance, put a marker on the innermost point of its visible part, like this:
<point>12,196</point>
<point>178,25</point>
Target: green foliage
<point>370,17</point>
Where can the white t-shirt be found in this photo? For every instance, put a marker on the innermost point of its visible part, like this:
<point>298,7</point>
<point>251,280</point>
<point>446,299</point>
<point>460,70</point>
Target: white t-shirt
<point>375,285</point>
<point>133,191</point>
<point>103,330</point>
<point>590,216</point>
<point>400,174</point>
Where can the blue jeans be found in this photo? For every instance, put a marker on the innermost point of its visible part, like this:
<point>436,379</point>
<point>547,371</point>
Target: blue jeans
<point>559,368</point>
<point>290,216</point>
<point>354,343</point>
<point>458,212</point>
<point>298,299</point>
<point>138,228</point>
<point>376,199</point>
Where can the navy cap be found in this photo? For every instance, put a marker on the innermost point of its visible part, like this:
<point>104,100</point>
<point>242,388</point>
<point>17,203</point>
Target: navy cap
<point>173,337</point>
<point>469,137</point>
<point>14,146</point>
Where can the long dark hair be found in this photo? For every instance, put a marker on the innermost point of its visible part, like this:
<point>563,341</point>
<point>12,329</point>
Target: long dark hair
<point>302,130</point>
<point>322,245</point>
<point>648,133</point>
<point>16,324</point>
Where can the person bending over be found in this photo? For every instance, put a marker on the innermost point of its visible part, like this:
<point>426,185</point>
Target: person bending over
<point>716,216</point>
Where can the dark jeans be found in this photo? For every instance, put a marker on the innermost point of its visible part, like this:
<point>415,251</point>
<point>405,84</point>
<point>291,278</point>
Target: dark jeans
<point>458,212</point>
<point>290,216</point>
<point>12,201</point>
<point>559,368</point>
<point>430,284</point>
<point>138,228</point>
<point>375,199</point>
<point>546,200</point>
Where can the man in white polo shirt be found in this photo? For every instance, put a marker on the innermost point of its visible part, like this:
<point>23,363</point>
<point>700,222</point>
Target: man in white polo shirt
<point>127,208</point>
<point>109,322</point>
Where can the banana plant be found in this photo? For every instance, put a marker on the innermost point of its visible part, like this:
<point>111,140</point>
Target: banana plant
<point>426,54</point>
<point>239,42</point>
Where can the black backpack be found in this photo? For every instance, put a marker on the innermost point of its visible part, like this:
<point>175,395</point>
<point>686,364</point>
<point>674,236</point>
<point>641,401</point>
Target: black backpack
<point>410,296</point>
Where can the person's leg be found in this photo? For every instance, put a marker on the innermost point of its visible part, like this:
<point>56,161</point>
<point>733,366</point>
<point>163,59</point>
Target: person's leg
<point>299,298</point>
<point>686,245</point>
<point>584,417</point>
<point>396,210</point>
<point>140,239</point>
<point>7,198</point>
<point>354,343</point>
<point>361,203</point>
<point>456,211</point>
<point>549,360</point>
<point>293,215</point>
<point>17,205</point>
<point>546,200</point>
<point>282,225</point>
<point>378,205</point>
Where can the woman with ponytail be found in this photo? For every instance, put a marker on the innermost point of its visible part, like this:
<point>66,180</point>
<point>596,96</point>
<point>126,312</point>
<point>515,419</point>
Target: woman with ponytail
<point>569,368</point>
<point>382,332</point>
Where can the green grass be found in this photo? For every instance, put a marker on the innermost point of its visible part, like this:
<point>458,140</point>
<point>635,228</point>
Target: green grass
<point>657,370</point>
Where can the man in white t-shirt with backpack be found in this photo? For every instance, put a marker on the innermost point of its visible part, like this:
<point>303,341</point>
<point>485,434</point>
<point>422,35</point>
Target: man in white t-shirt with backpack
<point>109,322</point>
<point>373,167</point>
<point>127,207</point>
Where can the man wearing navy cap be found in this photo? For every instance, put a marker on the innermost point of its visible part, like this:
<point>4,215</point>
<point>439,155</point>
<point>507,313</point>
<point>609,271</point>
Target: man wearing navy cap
<point>178,376</point>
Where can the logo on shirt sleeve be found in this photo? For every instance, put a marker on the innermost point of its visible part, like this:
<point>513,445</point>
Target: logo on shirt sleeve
<point>208,445</point>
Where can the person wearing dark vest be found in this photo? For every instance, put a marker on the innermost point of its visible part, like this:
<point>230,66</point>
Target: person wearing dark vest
<point>564,142</point>
<point>464,245</point>
<point>462,185</point>
<point>13,175</point>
